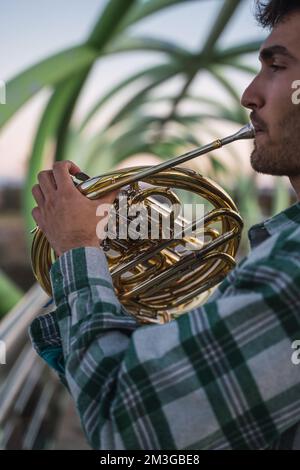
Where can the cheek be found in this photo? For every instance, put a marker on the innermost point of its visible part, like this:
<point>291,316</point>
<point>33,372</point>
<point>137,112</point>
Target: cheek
<point>278,103</point>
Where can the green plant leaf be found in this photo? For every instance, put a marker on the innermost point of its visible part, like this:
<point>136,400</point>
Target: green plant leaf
<point>157,72</point>
<point>48,72</point>
<point>144,9</point>
<point>10,294</point>
<point>129,44</point>
<point>104,29</point>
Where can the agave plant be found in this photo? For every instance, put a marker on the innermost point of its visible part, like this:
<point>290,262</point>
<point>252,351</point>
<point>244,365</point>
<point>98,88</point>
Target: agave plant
<point>10,294</point>
<point>132,129</point>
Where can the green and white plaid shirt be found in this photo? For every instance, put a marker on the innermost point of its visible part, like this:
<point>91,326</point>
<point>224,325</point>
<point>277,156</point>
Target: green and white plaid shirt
<point>218,377</point>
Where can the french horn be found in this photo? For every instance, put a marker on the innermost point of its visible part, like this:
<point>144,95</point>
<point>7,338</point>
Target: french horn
<point>158,280</point>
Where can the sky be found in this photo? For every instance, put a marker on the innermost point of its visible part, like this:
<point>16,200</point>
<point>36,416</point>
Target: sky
<point>33,29</point>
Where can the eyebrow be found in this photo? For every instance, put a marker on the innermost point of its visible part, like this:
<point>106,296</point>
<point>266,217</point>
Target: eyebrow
<point>269,52</point>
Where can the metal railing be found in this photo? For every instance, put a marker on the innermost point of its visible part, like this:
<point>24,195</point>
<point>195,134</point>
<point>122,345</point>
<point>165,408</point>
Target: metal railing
<point>30,393</point>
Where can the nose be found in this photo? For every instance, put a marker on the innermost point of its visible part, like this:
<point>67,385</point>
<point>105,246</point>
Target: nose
<point>253,97</point>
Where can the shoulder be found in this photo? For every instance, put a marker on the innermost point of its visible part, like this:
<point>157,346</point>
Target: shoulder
<point>275,258</point>
<point>285,242</point>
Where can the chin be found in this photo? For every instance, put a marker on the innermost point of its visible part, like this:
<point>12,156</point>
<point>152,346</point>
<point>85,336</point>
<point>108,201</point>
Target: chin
<point>267,166</point>
<point>264,164</point>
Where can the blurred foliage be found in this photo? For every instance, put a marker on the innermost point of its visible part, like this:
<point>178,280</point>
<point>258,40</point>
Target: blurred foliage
<point>10,294</point>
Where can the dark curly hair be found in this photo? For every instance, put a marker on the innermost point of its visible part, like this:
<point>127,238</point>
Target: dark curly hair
<point>270,13</point>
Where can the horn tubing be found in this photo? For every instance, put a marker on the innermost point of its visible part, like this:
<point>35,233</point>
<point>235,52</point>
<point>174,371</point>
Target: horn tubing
<point>246,132</point>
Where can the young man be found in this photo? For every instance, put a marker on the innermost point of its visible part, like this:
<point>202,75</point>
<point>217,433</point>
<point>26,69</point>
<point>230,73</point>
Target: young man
<point>223,375</point>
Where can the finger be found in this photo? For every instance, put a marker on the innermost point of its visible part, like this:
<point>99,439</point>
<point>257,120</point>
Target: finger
<point>113,195</point>
<point>108,198</point>
<point>36,214</point>
<point>82,176</point>
<point>62,171</point>
<point>47,182</point>
<point>38,195</point>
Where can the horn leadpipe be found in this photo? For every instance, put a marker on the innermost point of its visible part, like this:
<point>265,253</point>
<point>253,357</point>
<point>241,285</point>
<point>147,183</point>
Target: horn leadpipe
<point>246,132</point>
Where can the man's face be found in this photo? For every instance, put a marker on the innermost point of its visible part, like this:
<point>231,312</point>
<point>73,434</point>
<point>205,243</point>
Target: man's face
<point>275,117</point>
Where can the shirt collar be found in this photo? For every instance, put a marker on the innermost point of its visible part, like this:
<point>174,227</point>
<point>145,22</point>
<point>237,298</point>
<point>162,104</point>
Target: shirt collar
<point>288,218</point>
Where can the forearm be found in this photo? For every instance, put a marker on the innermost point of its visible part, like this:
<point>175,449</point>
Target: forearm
<point>51,334</point>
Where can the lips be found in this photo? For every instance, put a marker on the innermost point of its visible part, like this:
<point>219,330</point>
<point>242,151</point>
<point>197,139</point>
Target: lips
<point>259,127</point>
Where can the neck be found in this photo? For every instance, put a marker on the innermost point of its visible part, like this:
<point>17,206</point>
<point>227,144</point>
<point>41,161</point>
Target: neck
<point>295,182</point>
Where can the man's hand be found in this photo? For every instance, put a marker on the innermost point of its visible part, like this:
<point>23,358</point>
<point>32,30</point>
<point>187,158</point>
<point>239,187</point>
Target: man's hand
<point>67,217</point>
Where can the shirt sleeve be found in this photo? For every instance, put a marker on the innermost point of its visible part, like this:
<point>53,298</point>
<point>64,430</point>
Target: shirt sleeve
<point>218,377</point>
<point>45,338</point>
